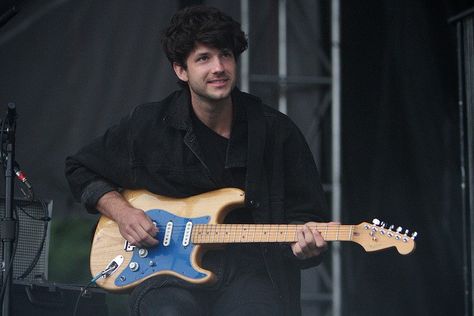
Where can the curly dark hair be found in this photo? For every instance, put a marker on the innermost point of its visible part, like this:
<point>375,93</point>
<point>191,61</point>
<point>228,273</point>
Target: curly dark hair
<point>205,25</point>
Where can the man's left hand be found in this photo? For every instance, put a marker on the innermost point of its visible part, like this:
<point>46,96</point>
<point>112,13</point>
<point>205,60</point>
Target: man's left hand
<point>310,242</point>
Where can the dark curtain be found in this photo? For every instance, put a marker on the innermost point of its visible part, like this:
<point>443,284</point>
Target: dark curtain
<point>73,68</point>
<point>401,155</point>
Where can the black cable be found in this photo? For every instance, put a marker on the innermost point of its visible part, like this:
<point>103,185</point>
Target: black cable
<point>9,269</point>
<point>1,137</point>
<point>28,194</point>
<point>45,231</point>
<point>44,207</point>
<point>83,291</point>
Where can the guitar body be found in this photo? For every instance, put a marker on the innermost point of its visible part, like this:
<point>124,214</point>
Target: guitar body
<point>175,255</point>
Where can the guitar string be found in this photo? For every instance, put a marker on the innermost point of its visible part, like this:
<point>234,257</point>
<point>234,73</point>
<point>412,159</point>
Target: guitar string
<point>260,232</point>
<point>237,232</point>
<point>268,226</point>
<point>233,227</point>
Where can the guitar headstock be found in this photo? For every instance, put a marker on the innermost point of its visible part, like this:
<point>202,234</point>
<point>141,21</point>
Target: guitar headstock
<point>375,237</point>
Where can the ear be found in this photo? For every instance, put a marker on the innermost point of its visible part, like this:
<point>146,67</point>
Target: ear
<point>181,72</point>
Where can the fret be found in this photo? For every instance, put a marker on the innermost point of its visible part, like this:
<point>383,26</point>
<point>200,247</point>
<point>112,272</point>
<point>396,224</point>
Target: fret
<point>244,234</point>
<point>232,234</point>
<point>206,236</point>
<point>271,234</point>
<point>251,233</point>
<point>293,233</point>
<point>279,233</point>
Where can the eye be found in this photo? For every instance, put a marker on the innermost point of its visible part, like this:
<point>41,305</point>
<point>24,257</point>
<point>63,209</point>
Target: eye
<point>227,53</point>
<point>202,58</point>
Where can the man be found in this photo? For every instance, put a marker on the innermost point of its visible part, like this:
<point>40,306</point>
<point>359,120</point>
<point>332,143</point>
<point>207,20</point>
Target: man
<point>207,136</point>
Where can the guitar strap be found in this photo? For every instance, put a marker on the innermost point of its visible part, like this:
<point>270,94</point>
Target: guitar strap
<point>256,147</point>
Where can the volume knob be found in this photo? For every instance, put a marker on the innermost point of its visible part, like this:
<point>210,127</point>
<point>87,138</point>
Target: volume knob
<point>134,266</point>
<point>143,253</point>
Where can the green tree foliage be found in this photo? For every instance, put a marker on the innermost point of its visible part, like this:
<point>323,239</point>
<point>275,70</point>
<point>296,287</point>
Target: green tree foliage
<point>69,257</point>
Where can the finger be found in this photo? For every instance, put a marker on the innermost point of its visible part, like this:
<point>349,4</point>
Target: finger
<point>149,228</point>
<point>315,243</point>
<point>310,237</point>
<point>132,237</point>
<point>137,236</point>
<point>306,241</point>
<point>146,239</point>
<point>146,230</point>
<point>300,244</point>
<point>320,243</point>
<point>296,248</point>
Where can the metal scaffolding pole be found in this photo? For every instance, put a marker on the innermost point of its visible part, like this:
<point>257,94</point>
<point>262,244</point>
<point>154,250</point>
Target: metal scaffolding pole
<point>282,57</point>
<point>336,192</point>
<point>245,57</point>
<point>333,278</point>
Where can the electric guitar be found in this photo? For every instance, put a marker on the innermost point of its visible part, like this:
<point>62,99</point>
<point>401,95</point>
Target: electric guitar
<point>189,226</point>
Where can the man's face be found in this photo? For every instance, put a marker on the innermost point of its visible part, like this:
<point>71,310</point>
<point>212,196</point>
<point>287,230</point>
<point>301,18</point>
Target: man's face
<point>210,73</point>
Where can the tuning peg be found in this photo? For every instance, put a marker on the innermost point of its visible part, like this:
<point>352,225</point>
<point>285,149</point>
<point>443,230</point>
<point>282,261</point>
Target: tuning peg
<point>413,236</point>
<point>376,221</point>
<point>399,229</point>
<point>391,227</point>
<point>406,232</point>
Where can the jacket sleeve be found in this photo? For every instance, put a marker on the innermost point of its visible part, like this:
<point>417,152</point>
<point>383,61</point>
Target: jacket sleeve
<point>102,166</point>
<point>304,197</point>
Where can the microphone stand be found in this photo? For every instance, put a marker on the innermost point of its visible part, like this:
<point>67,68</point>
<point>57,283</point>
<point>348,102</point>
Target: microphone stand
<point>8,232</point>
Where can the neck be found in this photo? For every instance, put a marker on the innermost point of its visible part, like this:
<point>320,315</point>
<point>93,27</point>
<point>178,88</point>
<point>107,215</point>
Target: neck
<point>251,233</point>
<point>215,115</point>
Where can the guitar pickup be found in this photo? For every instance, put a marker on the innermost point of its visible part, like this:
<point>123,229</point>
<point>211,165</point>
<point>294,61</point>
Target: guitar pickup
<point>168,232</point>
<point>187,233</point>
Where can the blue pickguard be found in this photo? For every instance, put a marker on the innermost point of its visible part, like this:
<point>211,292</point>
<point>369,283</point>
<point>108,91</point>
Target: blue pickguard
<point>174,257</point>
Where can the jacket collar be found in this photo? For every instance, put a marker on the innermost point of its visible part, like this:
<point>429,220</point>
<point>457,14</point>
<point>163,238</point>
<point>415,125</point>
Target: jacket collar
<point>179,115</point>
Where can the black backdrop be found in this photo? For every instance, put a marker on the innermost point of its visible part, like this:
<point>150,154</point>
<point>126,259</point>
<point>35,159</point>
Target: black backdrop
<point>74,67</point>
<point>402,153</point>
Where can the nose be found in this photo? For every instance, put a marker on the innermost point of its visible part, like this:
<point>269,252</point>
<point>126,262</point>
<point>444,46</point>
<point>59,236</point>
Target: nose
<point>218,65</point>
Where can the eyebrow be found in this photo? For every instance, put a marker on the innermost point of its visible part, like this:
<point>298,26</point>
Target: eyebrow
<point>201,53</point>
<point>206,52</point>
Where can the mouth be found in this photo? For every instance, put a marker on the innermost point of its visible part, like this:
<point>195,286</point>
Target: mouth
<point>218,82</point>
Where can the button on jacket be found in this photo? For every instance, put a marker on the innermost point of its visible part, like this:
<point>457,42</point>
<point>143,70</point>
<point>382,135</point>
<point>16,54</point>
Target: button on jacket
<point>155,148</point>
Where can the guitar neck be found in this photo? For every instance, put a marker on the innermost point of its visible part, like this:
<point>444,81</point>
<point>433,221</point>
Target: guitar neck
<point>266,233</point>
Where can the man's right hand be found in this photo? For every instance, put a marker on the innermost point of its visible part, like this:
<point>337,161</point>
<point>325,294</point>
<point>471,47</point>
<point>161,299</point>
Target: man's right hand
<point>134,225</point>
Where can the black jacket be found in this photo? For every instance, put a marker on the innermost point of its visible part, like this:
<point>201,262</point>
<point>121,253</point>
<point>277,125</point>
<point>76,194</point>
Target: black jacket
<point>155,148</point>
